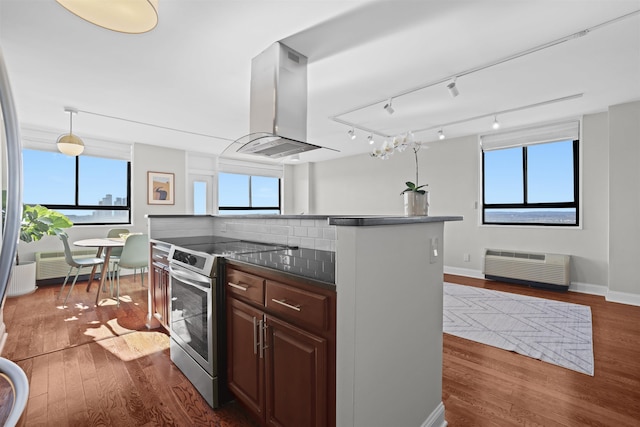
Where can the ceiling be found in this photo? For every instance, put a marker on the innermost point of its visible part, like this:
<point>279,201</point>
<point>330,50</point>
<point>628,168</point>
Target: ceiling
<point>190,76</point>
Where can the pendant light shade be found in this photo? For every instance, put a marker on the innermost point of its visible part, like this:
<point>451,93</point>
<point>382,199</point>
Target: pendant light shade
<point>125,16</point>
<point>68,143</point>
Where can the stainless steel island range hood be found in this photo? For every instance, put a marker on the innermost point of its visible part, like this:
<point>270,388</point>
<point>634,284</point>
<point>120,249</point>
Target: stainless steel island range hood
<point>278,111</point>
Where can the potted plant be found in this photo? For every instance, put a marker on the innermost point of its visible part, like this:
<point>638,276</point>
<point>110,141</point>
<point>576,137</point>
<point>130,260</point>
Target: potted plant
<point>37,222</point>
<point>416,200</point>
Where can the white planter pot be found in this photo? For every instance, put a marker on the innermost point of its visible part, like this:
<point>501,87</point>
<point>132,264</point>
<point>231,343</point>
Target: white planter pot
<point>416,204</point>
<point>22,280</point>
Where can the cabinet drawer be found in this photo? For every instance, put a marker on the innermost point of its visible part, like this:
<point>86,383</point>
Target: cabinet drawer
<point>245,286</point>
<point>298,305</point>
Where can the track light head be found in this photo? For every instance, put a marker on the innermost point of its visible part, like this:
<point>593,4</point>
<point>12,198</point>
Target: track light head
<point>453,89</point>
<point>496,124</point>
<point>370,138</point>
<point>388,107</point>
<point>352,133</point>
<point>441,134</point>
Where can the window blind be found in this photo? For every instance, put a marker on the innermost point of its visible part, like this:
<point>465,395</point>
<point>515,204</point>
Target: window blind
<point>250,168</point>
<point>569,130</point>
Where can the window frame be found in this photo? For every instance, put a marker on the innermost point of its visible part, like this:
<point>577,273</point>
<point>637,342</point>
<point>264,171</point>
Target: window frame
<point>79,207</point>
<point>526,205</point>
<point>252,208</point>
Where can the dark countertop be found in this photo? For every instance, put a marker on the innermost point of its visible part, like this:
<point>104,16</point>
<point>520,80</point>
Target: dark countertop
<point>308,263</point>
<point>387,220</point>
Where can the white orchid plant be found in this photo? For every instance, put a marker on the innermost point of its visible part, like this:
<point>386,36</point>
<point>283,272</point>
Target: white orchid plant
<point>401,143</point>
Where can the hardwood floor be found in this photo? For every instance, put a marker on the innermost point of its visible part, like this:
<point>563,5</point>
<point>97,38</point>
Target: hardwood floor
<point>101,366</point>
<point>90,366</point>
<point>487,386</point>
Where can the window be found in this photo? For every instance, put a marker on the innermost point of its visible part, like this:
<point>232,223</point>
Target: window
<point>246,194</point>
<point>530,177</point>
<point>89,190</point>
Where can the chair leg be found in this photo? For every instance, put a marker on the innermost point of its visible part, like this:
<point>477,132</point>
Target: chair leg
<point>65,282</point>
<point>118,286</point>
<point>71,288</point>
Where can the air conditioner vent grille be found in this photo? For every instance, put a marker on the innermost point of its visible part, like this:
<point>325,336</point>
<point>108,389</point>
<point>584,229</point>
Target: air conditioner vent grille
<point>526,267</point>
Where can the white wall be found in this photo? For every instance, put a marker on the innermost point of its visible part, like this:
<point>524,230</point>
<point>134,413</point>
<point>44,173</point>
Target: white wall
<point>364,185</point>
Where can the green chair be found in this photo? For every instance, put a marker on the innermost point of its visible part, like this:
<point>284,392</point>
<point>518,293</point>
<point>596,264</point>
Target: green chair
<point>78,263</point>
<point>115,252</point>
<point>135,254</point>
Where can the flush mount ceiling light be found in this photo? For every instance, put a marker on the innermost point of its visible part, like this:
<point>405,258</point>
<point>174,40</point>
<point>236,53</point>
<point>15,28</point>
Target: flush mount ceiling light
<point>496,124</point>
<point>388,107</point>
<point>295,158</point>
<point>441,134</point>
<point>352,133</point>
<point>124,16</point>
<point>68,143</point>
<point>453,89</point>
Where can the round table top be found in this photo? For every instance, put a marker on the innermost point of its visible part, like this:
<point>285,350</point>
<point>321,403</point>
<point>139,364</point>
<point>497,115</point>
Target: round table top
<point>100,242</point>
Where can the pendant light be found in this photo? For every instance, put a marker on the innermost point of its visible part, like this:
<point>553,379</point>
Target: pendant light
<point>68,143</point>
<point>124,16</point>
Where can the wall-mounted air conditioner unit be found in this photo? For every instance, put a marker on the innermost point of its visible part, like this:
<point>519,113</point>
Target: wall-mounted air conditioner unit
<point>544,270</point>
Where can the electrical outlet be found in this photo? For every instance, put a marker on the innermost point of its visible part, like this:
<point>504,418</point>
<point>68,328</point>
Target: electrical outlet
<point>466,257</point>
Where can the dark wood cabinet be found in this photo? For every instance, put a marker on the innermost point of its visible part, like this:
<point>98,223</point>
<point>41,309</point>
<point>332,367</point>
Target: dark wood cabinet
<point>281,347</point>
<point>245,367</point>
<point>159,287</point>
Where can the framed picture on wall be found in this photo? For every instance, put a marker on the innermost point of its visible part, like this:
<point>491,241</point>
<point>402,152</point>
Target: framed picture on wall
<point>160,188</point>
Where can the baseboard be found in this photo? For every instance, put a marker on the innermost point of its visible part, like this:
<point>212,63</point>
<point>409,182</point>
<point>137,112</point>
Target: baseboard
<point>588,288</point>
<point>467,272</point>
<point>436,418</point>
<point>623,298</point>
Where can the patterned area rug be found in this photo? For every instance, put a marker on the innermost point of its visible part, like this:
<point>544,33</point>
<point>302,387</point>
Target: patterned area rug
<point>552,331</point>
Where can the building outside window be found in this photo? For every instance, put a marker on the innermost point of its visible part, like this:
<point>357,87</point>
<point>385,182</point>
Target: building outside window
<point>530,176</point>
<point>89,190</point>
<point>240,194</point>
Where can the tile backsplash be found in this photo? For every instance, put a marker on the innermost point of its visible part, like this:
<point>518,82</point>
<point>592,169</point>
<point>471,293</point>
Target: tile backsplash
<point>313,233</point>
<point>304,232</point>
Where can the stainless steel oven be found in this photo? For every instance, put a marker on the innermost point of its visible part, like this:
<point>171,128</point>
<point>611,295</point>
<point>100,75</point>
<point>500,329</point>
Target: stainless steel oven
<point>192,327</point>
<point>197,316</point>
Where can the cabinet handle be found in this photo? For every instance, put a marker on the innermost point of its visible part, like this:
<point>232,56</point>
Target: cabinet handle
<point>284,302</point>
<point>255,341</point>
<point>261,336</point>
<point>239,287</point>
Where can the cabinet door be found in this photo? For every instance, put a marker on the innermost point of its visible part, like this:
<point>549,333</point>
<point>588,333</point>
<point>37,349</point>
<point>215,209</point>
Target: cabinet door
<point>296,376</point>
<point>158,292</point>
<point>245,366</point>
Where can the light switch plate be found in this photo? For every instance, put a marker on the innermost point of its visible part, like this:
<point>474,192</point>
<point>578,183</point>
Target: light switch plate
<point>435,250</point>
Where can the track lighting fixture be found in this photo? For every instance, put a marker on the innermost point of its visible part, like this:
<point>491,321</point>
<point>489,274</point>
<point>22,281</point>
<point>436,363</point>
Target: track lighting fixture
<point>370,138</point>
<point>352,133</point>
<point>441,134</point>
<point>453,89</point>
<point>496,124</point>
<point>68,143</point>
<point>388,107</point>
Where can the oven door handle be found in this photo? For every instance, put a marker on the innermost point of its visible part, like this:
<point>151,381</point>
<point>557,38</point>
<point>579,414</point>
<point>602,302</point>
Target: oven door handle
<point>189,279</point>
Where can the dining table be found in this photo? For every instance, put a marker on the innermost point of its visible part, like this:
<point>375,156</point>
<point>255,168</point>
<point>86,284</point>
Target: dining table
<point>103,244</point>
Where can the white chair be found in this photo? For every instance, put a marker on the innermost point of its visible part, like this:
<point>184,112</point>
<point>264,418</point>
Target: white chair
<point>78,263</point>
<point>20,384</point>
<point>135,254</point>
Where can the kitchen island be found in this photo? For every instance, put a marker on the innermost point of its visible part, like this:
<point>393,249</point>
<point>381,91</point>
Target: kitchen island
<point>388,279</point>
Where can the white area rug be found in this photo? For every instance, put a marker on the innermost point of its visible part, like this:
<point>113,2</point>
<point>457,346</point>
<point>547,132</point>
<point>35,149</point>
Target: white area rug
<point>552,331</point>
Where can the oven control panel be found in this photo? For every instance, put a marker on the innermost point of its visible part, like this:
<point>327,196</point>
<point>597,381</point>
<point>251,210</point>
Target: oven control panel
<point>188,258</point>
